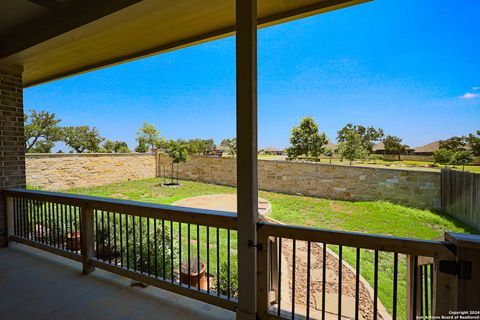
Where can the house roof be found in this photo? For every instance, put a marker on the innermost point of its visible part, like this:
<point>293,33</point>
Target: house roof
<point>379,146</point>
<point>331,145</point>
<point>433,146</point>
<point>58,38</point>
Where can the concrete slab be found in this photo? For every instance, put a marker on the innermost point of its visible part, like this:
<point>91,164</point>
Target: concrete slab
<point>40,285</point>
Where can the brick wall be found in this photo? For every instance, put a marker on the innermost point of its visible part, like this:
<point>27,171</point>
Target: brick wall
<point>65,171</point>
<point>12,154</point>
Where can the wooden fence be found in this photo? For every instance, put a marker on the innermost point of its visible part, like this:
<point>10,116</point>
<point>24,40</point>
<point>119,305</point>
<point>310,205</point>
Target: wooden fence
<point>461,196</point>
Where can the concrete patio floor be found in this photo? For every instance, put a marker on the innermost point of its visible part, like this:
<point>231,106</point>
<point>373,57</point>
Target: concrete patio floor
<point>39,285</point>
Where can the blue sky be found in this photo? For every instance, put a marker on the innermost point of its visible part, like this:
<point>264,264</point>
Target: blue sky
<point>411,67</point>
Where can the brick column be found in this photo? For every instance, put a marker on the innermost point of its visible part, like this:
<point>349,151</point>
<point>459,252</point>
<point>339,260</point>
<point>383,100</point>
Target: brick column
<point>12,150</point>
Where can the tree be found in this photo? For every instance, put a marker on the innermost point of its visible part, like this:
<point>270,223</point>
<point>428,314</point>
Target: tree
<point>148,137</point>
<point>329,153</point>
<point>82,138</point>
<point>115,146</point>
<point>368,136</point>
<point>442,156</point>
<point>462,158</point>
<point>177,151</point>
<point>231,145</point>
<point>473,142</point>
<point>42,146</point>
<point>351,147</point>
<point>394,145</point>
<point>43,126</point>
<point>306,140</point>
<point>453,144</point>
<point>200,146</point>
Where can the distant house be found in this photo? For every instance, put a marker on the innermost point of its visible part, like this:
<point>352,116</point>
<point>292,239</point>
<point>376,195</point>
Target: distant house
<point>427,150</point>
<point>379,148</point>
<point>331,146</point>
<point>220,150</point>
<point>272,151</point>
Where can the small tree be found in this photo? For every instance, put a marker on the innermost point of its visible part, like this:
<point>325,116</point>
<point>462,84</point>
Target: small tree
<point>115,146</point>
<point>82,139</point>
<point>394,145</point>
<point>178,152</point>
<point>306,140</point>
<point>41,131</point>
<point>462,158</point>
<point>148,137</point>
<point>453,144</point>
<point>351,147</point>
<point>368,136</point>
<point>231,145</point>
<point>329,153</point>
<point>473,142</point>
<point>442,156</point>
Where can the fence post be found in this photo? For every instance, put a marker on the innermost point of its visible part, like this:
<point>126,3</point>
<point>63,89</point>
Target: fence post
<point>86,237</point>
<point>413,288</point>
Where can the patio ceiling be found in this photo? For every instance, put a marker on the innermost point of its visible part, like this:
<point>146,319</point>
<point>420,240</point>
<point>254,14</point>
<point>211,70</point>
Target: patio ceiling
<point>52,39</point>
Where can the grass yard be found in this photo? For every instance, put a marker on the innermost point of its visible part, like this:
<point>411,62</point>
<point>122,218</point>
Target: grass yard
<point>368,217</point>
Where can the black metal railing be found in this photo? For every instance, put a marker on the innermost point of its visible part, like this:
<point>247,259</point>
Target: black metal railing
<point>188,251</point>
<point>323,273</point>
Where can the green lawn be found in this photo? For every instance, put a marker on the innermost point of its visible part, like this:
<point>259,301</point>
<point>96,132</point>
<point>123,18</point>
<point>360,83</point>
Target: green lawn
<point>369,217</point>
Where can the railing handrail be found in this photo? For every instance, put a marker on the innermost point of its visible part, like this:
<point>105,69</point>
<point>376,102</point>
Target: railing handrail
<point>212,218</point>
<point>409,246</point>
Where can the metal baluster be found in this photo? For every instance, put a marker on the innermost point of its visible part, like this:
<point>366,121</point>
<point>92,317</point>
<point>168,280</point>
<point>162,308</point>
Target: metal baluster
<point>126,242</point>
<point>115,237</point>
<point>171,251</point>
<point>228,264</point>
<point>279,276</point>
<point>375,287</point>
<point>415,283</point>
<point>208,259</point>
<point>134,245</point>
<point>198,257</point>
<point>420,270</point>
<point>426,290</point>
<point>71,226</point>
<point>179,251</point>
<point>324,277</point>
<point>121,240</point>
<point>293,276</point>
<point>188,247</point>
<point>102,235</point>
<point>357,283</point>
<point>163,250</point>
<point>395,284</point>
<point>141,244</point>
<point>218,262</point>
<point>340,264</point>
<point>148,246</point>
<point>308,279</point>
<point>155,245</point>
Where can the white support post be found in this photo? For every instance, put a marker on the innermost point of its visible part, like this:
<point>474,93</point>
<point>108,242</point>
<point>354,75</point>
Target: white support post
<point>247,178</point>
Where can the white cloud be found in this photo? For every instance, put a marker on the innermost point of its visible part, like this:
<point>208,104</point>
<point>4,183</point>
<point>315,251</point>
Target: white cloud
<point>470,95</point>
<point>476,88</point>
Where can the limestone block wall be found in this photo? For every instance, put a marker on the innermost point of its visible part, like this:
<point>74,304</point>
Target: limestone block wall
<point>413,188</point>
<point>65,171</point>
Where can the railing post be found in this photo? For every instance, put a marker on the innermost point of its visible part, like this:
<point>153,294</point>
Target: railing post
<point>10,216</point>
<point>413,288</point>
<point>467,270</point>
<point>247,177</point>
<point>87,238</point>
<point>263,272</point>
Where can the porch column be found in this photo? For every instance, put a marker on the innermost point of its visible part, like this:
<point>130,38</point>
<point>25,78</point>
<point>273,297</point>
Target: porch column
<point>247,179</point>
<point>12,150</point>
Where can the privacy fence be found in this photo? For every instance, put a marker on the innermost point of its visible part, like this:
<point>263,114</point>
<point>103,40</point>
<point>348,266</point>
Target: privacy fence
<point>461,196</point>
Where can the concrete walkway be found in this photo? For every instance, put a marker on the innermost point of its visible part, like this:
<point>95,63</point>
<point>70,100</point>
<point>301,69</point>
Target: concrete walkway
<point>40,285</point>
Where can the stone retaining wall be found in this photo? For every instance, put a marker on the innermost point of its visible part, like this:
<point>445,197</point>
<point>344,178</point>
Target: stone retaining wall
<point>413,188</point>
<point>408,187</point>
<point>65,171</point>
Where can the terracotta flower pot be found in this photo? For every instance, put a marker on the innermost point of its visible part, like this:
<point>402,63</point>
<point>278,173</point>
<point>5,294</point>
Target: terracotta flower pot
<point>192,279</point>
<point>73,241</point>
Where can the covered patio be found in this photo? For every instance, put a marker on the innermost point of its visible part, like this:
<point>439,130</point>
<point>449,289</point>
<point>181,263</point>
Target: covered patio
<point>47,40</point>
